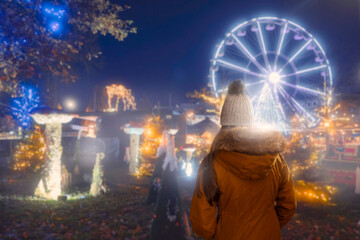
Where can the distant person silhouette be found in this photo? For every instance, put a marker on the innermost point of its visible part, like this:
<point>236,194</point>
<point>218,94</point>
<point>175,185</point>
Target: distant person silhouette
<point>244,189</point>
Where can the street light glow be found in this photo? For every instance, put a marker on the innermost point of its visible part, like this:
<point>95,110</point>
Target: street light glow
<point>70,104</point>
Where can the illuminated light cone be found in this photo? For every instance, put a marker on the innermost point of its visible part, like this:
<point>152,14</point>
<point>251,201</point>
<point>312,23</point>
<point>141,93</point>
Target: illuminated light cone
<point>170,146</point>
<point>97,183</point>
<point>170,158</point>
<point>189,149</point>
<point>49,186</point>
<point>134,130</point>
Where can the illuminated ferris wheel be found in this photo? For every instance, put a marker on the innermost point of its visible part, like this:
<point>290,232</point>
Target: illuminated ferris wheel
<point>283,66</point>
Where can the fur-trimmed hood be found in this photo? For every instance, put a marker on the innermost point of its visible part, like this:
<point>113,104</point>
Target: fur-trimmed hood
<point>248,153</point>
<point>249,140</point>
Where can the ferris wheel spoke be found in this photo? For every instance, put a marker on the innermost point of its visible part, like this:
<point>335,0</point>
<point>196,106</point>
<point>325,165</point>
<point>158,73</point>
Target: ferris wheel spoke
<point>254,83</point>
<point>304,71</point>
<point>298,105</point>
<point>246,52</point>
<point>295,55</point>
<point>280,45</point>
<point>238,68</point>
<point>287,101</point>
<point>263,47</point>
<point>302,88</point>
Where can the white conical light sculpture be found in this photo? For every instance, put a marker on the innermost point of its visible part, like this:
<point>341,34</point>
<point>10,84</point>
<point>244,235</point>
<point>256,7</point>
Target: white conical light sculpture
<point>189,149</point>
<point>170,158</point>
<point>97,184</point>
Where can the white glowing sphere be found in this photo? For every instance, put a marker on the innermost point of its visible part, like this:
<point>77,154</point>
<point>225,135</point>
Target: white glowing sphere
<point>274,77</point>
<point>70,104</point>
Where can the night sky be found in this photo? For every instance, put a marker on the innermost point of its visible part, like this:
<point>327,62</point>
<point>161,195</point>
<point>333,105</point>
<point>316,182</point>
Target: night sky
<point>177,38</point>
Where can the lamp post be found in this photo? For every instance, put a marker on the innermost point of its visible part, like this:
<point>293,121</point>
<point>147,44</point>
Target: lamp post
<point>49,186</point>
<point>134,130</point>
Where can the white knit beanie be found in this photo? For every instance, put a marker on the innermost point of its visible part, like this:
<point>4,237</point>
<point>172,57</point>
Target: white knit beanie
<point>237,109</point>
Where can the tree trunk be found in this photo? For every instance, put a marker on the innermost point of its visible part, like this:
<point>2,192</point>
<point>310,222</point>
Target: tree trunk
<point>49,186</point>
<point>134,153</point>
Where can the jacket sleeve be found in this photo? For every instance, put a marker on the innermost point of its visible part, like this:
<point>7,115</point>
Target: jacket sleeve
<point>202,215</point>
<point>285,200</point>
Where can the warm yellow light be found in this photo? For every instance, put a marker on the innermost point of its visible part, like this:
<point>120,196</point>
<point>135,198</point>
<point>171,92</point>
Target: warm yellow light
<point>188,169</point>
<point>70,104</point>
<point>209,98</point>
<point>120,92</point>
<point>149,132</point>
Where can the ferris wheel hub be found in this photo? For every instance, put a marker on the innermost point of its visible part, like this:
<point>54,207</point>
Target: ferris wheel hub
<point>274,77</point>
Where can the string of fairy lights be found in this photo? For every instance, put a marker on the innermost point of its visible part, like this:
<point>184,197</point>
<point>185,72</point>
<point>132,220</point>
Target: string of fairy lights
<point>306,191</point>
<point>119,92</point>
<point>30,153</point>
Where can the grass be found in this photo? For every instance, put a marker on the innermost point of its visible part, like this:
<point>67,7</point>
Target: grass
<point>118,214</point>
<point>122,214</point>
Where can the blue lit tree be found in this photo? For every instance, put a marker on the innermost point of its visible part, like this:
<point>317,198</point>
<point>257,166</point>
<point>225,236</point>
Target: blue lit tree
<point>27,101</point>
<point>41,40</point>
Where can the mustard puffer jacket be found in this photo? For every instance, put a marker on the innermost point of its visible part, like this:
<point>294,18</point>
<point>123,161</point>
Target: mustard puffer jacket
<point>257,193</point>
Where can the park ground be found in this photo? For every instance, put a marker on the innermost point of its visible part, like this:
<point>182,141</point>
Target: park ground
<point>121,213</point>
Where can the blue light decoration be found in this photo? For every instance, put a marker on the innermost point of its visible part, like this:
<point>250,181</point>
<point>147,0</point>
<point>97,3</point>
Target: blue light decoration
<point>57,12</point>
<point>23,105</point>
<point>54,16</point>
<point>54,26</point>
